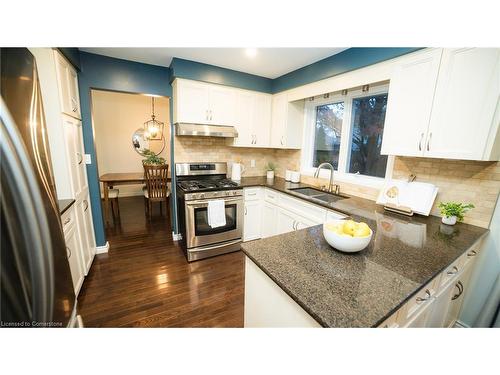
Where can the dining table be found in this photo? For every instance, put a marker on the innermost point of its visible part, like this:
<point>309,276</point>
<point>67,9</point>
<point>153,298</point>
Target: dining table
<point>109,180</point>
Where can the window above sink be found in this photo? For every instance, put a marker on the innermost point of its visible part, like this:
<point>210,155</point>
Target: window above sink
<point>345,129</point>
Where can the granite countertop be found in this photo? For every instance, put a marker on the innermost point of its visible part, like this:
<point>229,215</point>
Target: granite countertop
<point>64,204</point>
<point>360,289</point>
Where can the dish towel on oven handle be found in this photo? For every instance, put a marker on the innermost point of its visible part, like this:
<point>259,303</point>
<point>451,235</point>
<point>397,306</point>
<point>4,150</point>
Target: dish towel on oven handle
<point>216,213</point>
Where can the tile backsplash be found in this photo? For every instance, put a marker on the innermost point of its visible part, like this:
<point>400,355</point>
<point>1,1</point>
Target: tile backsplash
<point>474,182</point>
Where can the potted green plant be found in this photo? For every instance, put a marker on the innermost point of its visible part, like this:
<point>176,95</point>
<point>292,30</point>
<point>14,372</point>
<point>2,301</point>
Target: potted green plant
<point>453,211</point>
<point>151,158</point>
<point>270,169</point>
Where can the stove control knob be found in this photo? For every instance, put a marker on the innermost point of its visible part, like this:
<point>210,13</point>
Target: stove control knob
<point>235,193</point>
<point>228,193</point>
<point>202,196</point>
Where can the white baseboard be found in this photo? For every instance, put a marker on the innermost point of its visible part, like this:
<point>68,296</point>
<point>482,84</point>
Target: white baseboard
<point>176,236</point>
<point>102,249</point>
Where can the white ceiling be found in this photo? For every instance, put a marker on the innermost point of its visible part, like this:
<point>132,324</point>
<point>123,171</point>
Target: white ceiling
<point>269,62</point>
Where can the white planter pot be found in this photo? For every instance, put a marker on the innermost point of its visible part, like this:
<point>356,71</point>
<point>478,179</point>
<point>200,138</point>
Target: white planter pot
<point>451,220</point>
<point>270,175</point>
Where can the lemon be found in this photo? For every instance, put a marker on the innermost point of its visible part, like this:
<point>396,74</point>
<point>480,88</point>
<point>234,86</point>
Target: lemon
<point>362,230</point>
<point>350,227</point>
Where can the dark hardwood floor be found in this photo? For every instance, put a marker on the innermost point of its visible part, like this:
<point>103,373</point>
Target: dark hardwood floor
<point>145,281</point>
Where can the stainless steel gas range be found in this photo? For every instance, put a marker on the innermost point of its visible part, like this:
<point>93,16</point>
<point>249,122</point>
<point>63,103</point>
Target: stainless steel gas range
<point>197,185</point>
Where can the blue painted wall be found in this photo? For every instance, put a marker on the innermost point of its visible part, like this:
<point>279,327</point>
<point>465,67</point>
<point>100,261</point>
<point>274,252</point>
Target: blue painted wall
<point>73,55</point>
<point>345,61</point>
<point>213,74</point>
<point>100,72</point>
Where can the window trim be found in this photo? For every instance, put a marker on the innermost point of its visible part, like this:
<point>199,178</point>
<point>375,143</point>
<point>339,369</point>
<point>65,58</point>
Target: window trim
<point>308,138</point>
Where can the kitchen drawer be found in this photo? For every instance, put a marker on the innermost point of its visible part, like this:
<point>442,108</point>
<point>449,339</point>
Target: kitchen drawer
<point>307,210</point>
<point>473,252</point>
<point>252,194</point>
<point>271,196</point>
<point>390,322</point>
<point>333,215</point>
<point>418,302</point>
<point>68,219</point>
<point>451,271</point>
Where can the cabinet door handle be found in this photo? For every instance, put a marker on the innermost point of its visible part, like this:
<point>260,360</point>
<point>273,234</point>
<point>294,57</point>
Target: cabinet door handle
<point>420,142</point>
<point>453,271</point>
<point>74,106</point>
<point>255,142</point>
<point>86,205</point>
<point>210,115</point>
<point>472,254</point>
<point>429,141</point>
<point>206,114</point>
<point>281,140</point>
<point>460,287</point>
<point>68,252</point>
<point>246,211</point>
<point>80,158</point>
<point>67,221</point>
<point>426,298</point>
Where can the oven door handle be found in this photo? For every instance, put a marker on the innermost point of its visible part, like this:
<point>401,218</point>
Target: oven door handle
<point>204,203</point>
<point>213,247</point>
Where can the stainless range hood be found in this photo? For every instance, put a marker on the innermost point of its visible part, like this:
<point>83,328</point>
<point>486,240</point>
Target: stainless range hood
<point>184,129</point>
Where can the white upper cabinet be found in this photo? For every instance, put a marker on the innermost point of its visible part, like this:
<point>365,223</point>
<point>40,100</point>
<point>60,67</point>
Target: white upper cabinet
<point>222,105</point>
<point>411,94</point>
<point>253,119</point>
<point>68,86</point>
<point>287,122</point>
<point>465,101</point>
<point>443,103</point>
<point>203,103</point>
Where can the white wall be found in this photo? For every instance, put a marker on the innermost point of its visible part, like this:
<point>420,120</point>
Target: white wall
<point>115,117</point>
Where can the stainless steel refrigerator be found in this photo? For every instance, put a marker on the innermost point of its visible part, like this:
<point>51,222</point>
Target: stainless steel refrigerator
<point>36,285</point>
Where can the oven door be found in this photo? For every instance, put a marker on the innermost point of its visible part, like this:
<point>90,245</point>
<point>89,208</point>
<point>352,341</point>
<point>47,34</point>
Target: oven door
<point>199,233</point>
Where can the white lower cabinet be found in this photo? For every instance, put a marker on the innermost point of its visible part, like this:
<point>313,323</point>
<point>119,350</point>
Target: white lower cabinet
<point>87,241</point>
<point>251,222</point>
<point>73,253</point>
<point>269,225</point>
<point>269,213</point>
<point>438,304</point>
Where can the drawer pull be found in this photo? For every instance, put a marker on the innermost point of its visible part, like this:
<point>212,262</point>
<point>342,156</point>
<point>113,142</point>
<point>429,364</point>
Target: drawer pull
<point>423,299</point>
<point>252,193</point>
<point>67,221</point>
<point>68,252</point>
<point>453,271</point>
<point>473,253</point>
<point>86,205</point>
<point>80,158</point>
<point>460,287</point>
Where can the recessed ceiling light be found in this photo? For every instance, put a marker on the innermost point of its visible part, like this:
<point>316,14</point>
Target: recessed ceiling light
<point>251,52</point>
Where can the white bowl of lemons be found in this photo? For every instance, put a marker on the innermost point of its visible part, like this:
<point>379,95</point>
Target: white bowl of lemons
<point>347,235</point>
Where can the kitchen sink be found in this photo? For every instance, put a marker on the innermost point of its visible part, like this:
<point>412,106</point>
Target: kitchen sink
<point>319,194</point>
<point>310,192</point>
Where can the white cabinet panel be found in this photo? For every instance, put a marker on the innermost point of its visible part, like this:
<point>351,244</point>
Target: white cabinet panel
<point>86,232</point>
<point>68,86</point>
<point>269,219</point>
<point>73,255</point>
<point>262,120</point>
<point>245,120</point>
<point>278,122</point>
<point>421,318</point>
<point>467,93</point>
<point>191,102</point>
<point>222,109</point>
<point>411,93</point>
<point>74,151</point>
<point>251,225</point>
<point>286,221</point>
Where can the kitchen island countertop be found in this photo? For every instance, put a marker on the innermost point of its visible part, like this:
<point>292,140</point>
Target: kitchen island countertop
<point>360,289</point>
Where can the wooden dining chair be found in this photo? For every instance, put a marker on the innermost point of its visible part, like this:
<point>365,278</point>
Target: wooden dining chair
<point>113,200</point>
<point>156,189</point>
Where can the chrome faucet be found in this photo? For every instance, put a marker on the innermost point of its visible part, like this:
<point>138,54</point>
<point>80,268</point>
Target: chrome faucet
<point>332,188</point>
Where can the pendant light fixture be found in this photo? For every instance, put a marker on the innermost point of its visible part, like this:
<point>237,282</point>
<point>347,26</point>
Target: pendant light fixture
<point>153,129</point>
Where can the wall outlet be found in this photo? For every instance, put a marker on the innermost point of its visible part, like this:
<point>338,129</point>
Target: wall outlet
<point>88,159</point>
<point>252,163</point>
